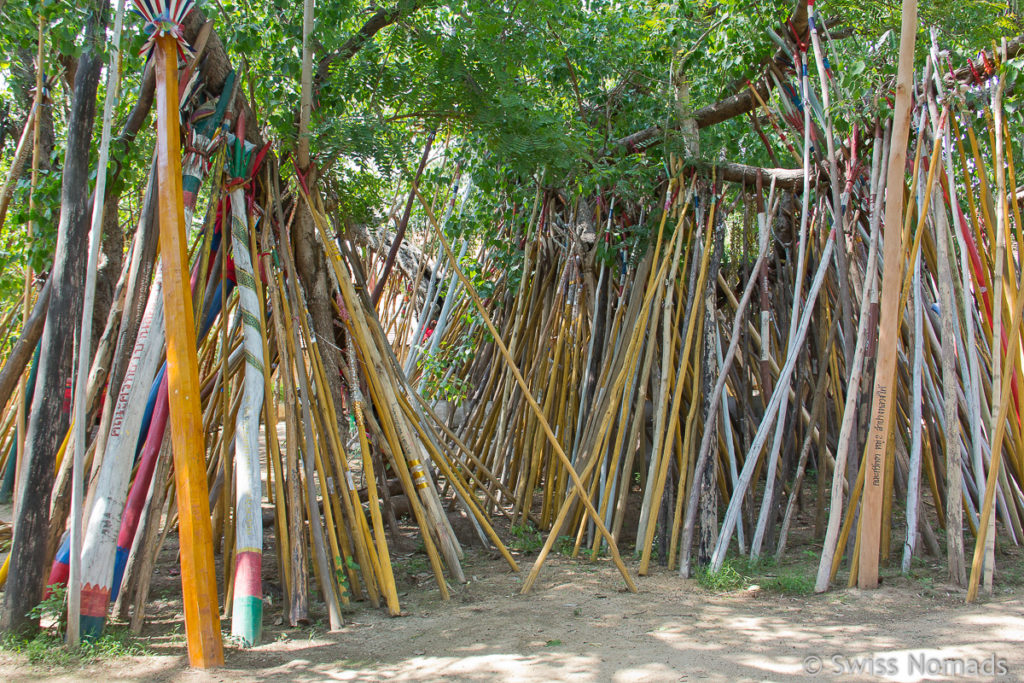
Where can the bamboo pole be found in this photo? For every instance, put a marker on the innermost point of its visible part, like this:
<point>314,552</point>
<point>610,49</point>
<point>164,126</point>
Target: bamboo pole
<point>984,549</point>
<point>535,407</point>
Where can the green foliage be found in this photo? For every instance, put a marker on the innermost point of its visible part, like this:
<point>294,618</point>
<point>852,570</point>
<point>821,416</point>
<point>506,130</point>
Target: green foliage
<point>53,608</point>
<point>520,97</point>
<point>526,538</point>
<point>440,378</point>
<point>44,214</point>
<point>341,575</point>
<point>47,647</point>
<point>436,380</point>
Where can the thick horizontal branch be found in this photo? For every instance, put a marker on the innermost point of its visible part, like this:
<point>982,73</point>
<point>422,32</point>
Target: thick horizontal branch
<point>965,76</point>
<point>785,178</point>
<point>724,110</point>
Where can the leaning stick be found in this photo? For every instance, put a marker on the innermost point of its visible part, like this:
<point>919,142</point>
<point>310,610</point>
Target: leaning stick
<point>247,598</point>
<point>328,584</point>
<point>999,266</point>
<point>984,549</point>
<point>202,618</point>
<point>387,579</point>
<point>535,407</point>
<point>951,419</point>
<point>782,386</point>
<point>661,455</point>
<point>916,399</point>
<point>884,388</point>
<point>868,296</point>
<point>821,384</point>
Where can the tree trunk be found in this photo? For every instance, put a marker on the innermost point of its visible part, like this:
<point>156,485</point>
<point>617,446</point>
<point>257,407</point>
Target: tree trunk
<point>48,423</point>
<point>312,267</point>
<point>708,482</point>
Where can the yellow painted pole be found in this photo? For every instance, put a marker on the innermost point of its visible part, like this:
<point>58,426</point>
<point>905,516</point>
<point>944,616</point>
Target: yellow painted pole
<point>198,573</point>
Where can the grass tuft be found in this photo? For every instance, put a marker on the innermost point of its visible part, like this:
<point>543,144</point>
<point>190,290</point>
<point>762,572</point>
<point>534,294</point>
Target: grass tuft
<point>726,579</point>
<point>48,648</point>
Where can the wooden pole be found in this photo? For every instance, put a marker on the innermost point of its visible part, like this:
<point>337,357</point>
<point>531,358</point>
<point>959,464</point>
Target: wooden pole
<point>888,333</point>
<point>198,573</point>
<point>984,549</point>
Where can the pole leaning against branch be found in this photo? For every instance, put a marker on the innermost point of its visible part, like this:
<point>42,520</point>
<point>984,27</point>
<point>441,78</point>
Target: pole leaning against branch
<point>198,573</point>
<point>888,332</point>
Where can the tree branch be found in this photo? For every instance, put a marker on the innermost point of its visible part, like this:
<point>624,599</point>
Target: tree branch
<point>785,178</point>
<point>382,18</point>
<point>964,75</point>
<point>725,109</point>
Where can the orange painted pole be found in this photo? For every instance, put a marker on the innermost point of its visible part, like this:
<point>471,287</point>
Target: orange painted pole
<point>198,574</point>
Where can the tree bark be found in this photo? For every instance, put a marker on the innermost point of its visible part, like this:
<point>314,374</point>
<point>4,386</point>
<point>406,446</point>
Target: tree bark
<point>48,423</point>
<point>708,482</point>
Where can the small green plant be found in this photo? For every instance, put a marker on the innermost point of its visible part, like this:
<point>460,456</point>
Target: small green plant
<point>52,607</point>
<point>763,564</point>
<point>526,538</point>
<point>340,575</point>
<point>439,378</point>
<point>566,544</point>
<point>726,579</point>
<point>416,565</point>
<point>553,643</point>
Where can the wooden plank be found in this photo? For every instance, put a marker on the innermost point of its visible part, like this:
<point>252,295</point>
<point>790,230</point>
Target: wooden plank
<point>198,573</point>
<point>888,331</point>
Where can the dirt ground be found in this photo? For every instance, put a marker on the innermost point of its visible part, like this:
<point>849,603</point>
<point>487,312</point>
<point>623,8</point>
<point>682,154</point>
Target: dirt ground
<point>580,625</point>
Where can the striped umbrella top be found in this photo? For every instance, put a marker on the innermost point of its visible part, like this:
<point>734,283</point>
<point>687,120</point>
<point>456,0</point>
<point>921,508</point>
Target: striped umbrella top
<point>163,18</point>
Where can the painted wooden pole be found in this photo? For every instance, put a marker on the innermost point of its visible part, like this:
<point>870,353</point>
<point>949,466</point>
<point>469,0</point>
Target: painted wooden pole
<point>111,487</point>
<point>198,573</point>
<point>247,605</point>
<point>888,330</point>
